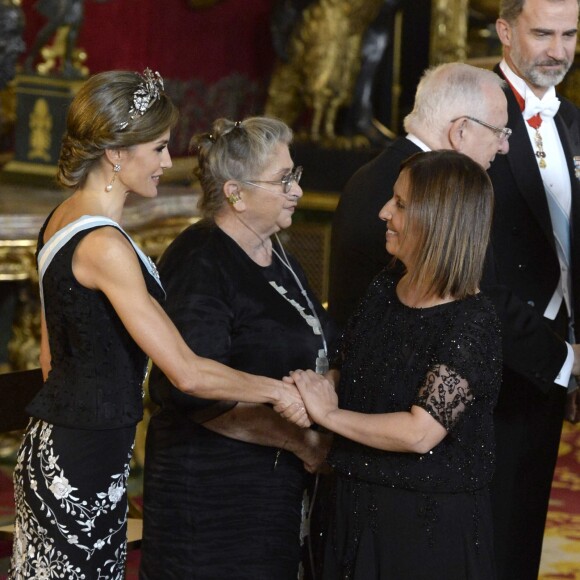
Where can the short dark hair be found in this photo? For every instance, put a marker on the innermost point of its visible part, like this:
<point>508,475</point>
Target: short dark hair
<point>449,210</point>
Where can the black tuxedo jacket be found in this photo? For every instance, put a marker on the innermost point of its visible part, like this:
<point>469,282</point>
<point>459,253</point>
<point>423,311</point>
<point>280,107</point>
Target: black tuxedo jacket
<point>528,424</point>
<point>525,258</point>
<point>358,253</point>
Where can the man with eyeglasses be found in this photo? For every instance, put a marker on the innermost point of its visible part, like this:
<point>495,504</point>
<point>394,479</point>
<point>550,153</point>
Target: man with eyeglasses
<point>537,255</point>
<point>457,106</point>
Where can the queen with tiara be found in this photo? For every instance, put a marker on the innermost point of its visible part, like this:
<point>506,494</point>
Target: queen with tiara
<point>101,320</point>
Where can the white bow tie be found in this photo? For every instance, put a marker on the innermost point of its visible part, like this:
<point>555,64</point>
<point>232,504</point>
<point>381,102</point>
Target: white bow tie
<point>547,107</point>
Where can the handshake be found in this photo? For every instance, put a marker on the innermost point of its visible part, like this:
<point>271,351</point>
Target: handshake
<point>306,397</point>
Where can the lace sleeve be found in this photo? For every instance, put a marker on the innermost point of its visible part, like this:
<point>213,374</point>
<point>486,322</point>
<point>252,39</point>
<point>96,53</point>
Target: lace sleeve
<point>445,395</point>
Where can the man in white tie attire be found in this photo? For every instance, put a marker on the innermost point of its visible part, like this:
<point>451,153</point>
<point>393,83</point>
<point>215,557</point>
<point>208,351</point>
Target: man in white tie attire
<point>536,248</point>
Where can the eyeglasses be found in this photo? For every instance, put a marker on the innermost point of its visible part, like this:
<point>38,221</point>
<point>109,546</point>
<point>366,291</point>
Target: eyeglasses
<point>502,134</point>
<point>286,181</point>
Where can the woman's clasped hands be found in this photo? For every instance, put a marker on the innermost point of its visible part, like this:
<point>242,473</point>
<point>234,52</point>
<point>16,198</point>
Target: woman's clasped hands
<point>290,404</point>
<point>317,398</point>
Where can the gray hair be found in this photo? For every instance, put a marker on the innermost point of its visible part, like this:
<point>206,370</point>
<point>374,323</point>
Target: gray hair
<point>234,150</point>
<point>509,10</point>
<point>448,91</point>
<point>95,118</point>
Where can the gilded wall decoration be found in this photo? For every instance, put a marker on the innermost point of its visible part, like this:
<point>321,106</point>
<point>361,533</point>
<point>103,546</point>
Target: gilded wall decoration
<point>448,31</point>
<point>324,55</point>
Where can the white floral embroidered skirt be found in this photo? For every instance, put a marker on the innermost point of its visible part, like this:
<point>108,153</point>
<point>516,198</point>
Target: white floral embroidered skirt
<point>70,488</point>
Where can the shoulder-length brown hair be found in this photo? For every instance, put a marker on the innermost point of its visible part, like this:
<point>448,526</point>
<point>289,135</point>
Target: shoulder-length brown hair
<point>449,213</point>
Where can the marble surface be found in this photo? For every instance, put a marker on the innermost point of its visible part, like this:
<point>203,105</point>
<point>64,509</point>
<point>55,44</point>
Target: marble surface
<point>23,208</point>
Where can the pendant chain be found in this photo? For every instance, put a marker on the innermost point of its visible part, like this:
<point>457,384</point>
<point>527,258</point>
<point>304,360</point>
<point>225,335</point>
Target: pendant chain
<point>540,153</point>
<point>322,358</point>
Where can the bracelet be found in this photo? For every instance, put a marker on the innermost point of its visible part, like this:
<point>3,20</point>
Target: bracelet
<point>280,449</point>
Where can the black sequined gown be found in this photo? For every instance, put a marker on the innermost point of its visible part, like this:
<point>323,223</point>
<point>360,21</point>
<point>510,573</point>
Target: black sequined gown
<point>406,516</point>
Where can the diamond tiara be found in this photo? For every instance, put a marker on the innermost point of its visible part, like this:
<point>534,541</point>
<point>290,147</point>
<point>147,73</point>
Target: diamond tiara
<point>148,91</point>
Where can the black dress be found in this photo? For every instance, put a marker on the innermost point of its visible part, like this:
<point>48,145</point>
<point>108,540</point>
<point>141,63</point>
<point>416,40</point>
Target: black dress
<point>215,507</point>
<point>405,515</point>
<point>71,475</point>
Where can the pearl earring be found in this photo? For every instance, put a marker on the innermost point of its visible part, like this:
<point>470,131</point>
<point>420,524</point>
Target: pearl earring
<point>116,169</point>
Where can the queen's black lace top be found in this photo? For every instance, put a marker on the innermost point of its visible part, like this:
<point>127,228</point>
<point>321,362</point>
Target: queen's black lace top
<point>446,359</point>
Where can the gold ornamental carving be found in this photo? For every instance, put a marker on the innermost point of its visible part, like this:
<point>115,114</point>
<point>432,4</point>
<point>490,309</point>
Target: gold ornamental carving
<point>40,125</point>
<point>17,260</point>
<point>448,31</point>
<point>18,264</point>
<point>62,58</point>
<point>323,65</point>
<point>24,344</point>
<point>55,53</point>
<point>155,239</point>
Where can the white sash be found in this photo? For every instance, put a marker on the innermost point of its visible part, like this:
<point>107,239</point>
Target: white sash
<point>58,240</point>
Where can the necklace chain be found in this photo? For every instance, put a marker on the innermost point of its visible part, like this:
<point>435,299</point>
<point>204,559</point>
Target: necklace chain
<point>312,320</point>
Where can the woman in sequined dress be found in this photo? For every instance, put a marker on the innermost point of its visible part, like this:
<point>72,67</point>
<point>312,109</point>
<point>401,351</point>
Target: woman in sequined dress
<point>101,319</point>
<point>420,369</point>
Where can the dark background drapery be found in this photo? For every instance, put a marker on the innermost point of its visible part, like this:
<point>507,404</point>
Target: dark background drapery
<point>216,61</point>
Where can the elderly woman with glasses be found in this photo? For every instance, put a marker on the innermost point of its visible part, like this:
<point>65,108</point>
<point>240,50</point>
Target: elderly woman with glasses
<point>225,481</point>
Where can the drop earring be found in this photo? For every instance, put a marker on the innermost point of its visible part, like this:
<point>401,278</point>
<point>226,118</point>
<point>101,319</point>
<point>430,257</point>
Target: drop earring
<point>116,169</point>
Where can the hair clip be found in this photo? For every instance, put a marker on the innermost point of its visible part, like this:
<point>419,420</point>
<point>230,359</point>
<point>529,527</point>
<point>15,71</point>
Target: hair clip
<point>148,91</point>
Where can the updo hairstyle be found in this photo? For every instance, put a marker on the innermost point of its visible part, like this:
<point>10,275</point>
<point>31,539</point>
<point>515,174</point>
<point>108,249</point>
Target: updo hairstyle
<point>95,120</point>
<point>234,150</point>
